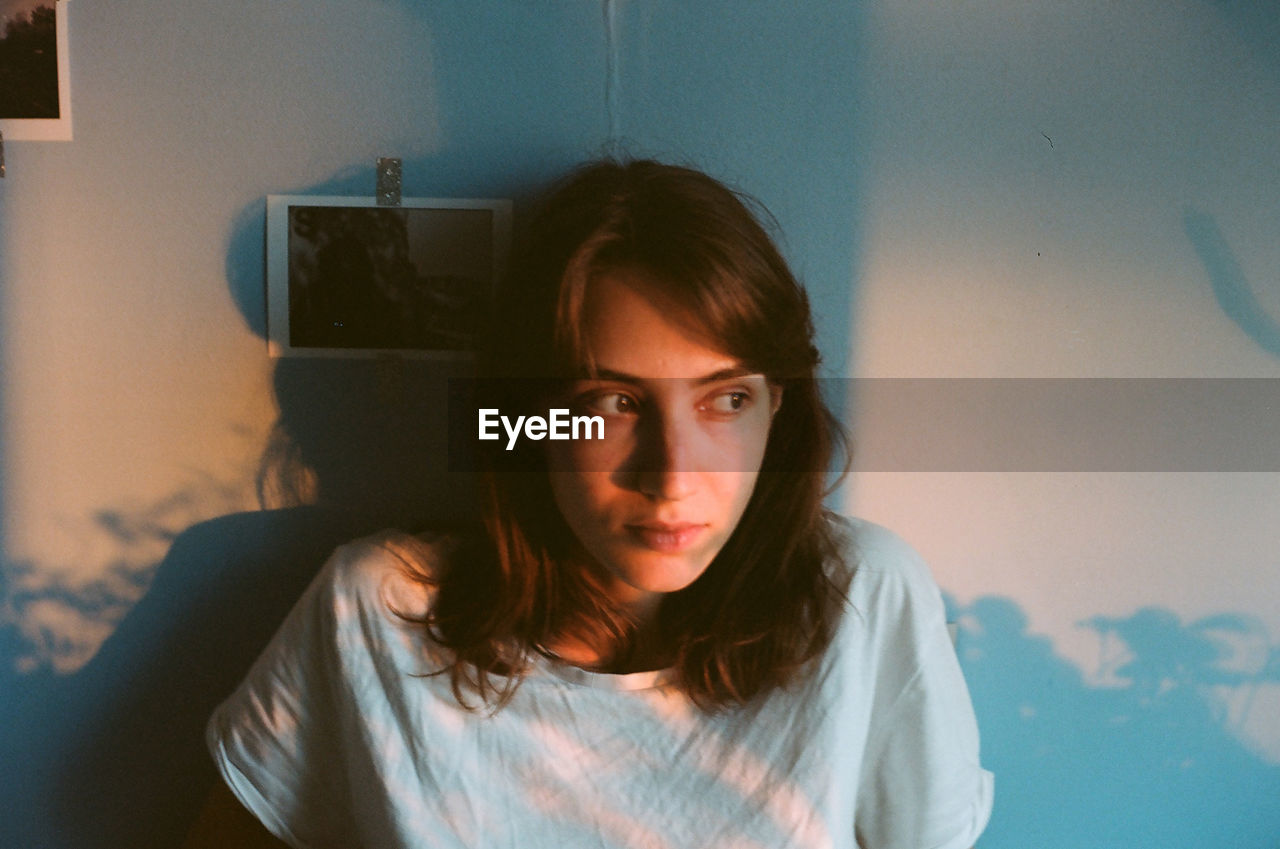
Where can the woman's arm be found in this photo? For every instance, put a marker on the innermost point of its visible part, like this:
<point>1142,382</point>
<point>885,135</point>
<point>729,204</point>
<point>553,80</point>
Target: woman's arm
<point>224,822</point>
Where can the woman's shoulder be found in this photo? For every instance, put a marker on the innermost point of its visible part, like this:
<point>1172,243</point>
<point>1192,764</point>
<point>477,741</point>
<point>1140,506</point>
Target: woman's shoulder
<point>872,548</point>
<point>882,568</point>
<point>390,569</point>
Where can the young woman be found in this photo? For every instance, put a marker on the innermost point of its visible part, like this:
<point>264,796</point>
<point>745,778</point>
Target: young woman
<point>659,638</point>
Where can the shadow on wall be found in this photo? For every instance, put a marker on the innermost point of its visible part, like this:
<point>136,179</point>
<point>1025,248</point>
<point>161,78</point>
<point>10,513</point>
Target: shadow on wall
<point>1230,286</point>
<point>1155,758</point>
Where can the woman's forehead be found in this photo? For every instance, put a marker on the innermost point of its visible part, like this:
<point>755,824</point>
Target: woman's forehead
<point>630,326</point>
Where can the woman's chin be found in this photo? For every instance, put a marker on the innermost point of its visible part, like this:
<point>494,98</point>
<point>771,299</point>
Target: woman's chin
<point>659,573</point>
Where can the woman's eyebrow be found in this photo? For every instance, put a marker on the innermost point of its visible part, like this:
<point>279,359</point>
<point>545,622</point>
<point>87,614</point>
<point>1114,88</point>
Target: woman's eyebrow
<point>730,373</point>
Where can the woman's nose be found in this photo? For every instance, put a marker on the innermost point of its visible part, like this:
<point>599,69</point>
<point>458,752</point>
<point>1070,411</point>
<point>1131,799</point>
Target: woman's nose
<point>669,457</point>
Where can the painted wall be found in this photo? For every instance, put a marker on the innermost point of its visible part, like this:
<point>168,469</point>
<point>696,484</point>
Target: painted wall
<point>978,190</point>
<point>1079,190</point>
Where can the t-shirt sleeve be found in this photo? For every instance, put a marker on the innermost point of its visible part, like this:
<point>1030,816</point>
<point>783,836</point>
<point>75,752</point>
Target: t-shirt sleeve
<point>922,785</point>
<point>282,741</point>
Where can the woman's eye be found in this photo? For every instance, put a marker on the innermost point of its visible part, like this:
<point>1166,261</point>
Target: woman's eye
<point>729,402</point>
<point>612,404</point>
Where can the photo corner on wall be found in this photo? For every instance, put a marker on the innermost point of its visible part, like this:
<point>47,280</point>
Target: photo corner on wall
<point>35,80</point>
<point>347,277</point>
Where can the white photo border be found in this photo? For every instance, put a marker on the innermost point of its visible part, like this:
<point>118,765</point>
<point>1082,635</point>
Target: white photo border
<point>49,129</point>
<point>277,260</point>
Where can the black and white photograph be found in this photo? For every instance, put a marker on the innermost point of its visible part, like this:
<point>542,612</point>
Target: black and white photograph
<point>348,278</point>
<point>35,101</point>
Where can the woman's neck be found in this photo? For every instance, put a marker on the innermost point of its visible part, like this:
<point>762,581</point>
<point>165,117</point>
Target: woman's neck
<point>644,651</point>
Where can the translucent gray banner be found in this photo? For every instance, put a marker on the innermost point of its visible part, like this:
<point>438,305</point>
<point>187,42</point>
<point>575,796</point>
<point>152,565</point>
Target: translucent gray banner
<point>988,425</point>
<point>1065,424</point>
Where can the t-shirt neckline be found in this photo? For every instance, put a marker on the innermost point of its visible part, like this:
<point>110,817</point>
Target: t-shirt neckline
<point>647,680</point>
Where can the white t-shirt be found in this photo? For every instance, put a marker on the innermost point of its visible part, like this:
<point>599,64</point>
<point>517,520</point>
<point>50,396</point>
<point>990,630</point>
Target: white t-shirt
<point>336,738</point>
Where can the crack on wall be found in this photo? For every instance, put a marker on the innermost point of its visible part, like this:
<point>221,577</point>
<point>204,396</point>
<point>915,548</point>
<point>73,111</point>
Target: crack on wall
<point>612,77</point>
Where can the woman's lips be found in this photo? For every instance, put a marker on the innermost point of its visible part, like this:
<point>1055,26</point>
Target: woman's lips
<point>668,539</point>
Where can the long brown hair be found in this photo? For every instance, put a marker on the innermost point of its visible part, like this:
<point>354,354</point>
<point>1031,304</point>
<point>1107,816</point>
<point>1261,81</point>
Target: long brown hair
<point>766,603</point>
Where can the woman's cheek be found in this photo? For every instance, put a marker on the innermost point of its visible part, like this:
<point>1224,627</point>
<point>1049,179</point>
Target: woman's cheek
<point>738,445</point>
<point>593,454</point>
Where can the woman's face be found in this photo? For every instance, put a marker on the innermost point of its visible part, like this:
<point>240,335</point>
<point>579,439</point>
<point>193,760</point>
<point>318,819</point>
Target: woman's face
<point>685,427</point>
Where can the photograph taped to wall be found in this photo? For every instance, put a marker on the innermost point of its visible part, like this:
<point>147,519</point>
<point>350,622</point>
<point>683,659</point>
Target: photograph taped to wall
<point>35,82</point>
<point>349,278</point>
